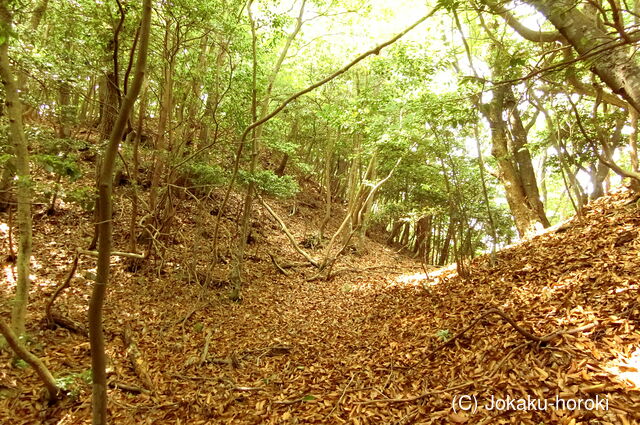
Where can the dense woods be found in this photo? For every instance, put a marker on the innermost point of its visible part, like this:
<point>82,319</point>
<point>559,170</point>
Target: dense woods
<point>212,195</point>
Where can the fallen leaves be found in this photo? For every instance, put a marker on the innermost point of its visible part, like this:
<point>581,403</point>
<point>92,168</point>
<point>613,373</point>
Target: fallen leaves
<point>360,348</point>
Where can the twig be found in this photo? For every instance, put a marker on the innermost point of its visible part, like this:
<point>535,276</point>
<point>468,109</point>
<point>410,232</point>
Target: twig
<point>421,396</point>
<point>128,388</point>
<point>528,335</point>
<point>335,406</point>
<point>287,232</point>
<point>277,266</point>
<point>504,359</point>
<point>205,351</point>
<point>137,359</point>
<point>61,288</point>
<point>114,253</point>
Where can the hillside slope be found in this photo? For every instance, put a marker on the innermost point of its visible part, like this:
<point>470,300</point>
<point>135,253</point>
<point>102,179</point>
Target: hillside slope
<point>365,347</point>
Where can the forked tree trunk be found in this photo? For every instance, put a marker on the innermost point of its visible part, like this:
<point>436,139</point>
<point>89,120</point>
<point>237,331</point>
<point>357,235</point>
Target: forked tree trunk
<point>23,182</point>
<point>525,210</point>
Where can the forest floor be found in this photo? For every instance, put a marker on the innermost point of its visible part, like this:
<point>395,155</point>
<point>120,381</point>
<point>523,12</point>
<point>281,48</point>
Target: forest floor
<point>363,348</point>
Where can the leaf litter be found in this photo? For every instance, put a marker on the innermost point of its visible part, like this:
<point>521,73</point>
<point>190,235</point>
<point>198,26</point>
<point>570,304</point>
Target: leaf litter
<point>367,347</point>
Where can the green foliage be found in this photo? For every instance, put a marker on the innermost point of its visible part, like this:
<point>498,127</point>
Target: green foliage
<point>444,335</point>
<point>202,174</point>
<point>83,196</point>
<point>72,383</point>
<point>266,181</point>
<point>65,166</point>
<point>20,364</point>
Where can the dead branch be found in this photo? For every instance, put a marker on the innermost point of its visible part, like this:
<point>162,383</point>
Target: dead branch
<point>248,389</point>
<point>58,319</point>
<point>114,253</point>
<point>59,289</point>
<point>137,359</point>
<point>421,396</point>
<point>287,232</point>
<point>205,351</point>
<point>277,266</point>
<point>344,391</point>
<point>129,388</point>
<point>232,361</point>
<point>528,335</point>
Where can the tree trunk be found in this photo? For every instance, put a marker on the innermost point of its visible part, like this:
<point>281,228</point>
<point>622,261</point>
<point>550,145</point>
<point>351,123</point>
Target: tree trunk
<point>395,232</point>
<point>162,144</point>
<point>526,218</point>
<point>633,140</point>
<point>523,161</point>
<point>65,113</point>
<point>446,244</point>
<point>615,65</point>
<point>23,182</point>
<point>105,220</point>
<point>54,392</point>
<point>328,159</point>
<point>108,105</point>
<point>423,231</point>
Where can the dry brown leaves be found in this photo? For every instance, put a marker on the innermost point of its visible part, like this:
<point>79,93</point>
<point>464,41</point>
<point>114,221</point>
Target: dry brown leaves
<point>353,350</point>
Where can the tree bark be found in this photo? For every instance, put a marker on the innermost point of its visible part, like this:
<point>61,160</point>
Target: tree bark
<point>614,64</point>
<point>53,390</point>
<point>96,337</point>
<point>23,183</point>
<point>526,218</point>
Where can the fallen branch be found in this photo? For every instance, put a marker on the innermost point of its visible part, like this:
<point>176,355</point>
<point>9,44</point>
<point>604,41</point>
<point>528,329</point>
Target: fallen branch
<point>129,388</point>
<point>114,253</point>
<point>528,335</point>
<point>64,322</point>
<point>248,389</point>
<point>287,232</point>
<point>54,392</point>
<point>278,266</point>
<point>205,351</point>
<point>137,359</point>
<point>341,397</point>
<point>421,396</point>
<point>59,289</point>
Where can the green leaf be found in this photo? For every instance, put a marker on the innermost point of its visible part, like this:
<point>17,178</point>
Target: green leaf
<point>308,397</point>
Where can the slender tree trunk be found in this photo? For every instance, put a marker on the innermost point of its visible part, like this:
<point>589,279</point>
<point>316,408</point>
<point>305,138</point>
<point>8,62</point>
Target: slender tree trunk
<point>65,113</point>
<point>237,267</point>
<point>105,216</point>
<point>446,244</point>
<point>522,158</point>
<point>23,183</point>
<point>54,392</point>
<point>38,13</point>
<point>633,139</point>
<point>423,230</point>
<point>108,105</point>
<point>134,170</point>
<point>161,148</point>
<point>328,159</point>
